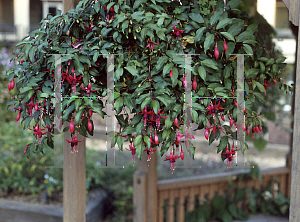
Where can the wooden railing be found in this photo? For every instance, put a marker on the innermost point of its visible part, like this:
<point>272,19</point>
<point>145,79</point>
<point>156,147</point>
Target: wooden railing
<point>179,195</point>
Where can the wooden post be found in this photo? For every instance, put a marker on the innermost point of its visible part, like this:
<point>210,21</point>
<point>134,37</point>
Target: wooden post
<point>145,190</point>
<point>293,7</point>
<point>74,174</point>
<point>74,171</point>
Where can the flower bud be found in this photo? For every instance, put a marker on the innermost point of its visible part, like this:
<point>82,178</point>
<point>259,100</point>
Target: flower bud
<point>194,84</point>
<point>216,51</point>
<point>182,154</point>
<point>248,131</point>
<point>231,122</point>
<point>90,126</point>
<point>222,117</point>
<point>171,73</point>
<point>156,138</point>
<point>225,46</point>
<point>18,116</point>
<point>90,112</point>
<point>206,133</point>
<point>176,121</point>
<point>71,127</point>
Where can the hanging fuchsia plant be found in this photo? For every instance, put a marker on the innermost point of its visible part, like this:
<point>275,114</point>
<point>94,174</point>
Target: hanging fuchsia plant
<point>150,80</point>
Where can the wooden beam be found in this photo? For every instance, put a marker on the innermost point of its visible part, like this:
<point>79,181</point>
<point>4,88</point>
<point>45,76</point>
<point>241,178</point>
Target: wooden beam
<point>145,190</point>
<point>74,174</point>
<point>295,189</point>
<point>293,7</point>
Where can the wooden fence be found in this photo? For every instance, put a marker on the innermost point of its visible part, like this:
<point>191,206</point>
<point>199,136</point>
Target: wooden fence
<point>186,190</point>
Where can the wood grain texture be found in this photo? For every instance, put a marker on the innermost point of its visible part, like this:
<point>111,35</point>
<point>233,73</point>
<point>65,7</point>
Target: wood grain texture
<point>74,175</point>
<point>145,200</point>
<point>295,189</point>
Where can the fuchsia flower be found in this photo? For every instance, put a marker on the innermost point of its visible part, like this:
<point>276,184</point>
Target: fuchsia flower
<point>37,130</point>
<point>188,136</point>
<point>177,31</point>
<point>89,28</point>
<point>266,85</point>
<point>74,142</point>
<point>151,44</point>
<point>133,151</point>
<point>171,73</point>
<point>149,152</point>
<point>73,80</point>
<point>213,108</point>
<point>88,89</point>
<point>172,159</point>
<point>229,156</point>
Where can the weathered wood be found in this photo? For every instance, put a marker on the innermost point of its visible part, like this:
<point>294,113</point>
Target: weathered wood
<point>146,207</point>
<point>74,175</point>
<point>293,7</point>
<point>140,196</point>
<point>180,208</point>
<point>171,208</point>
<point>295,191</point>
<point>162,196</point>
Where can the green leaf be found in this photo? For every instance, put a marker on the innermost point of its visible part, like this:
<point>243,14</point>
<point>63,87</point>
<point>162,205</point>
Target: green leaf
<point>167,68</point>
<point>105,31</point>
<point>119,73</point>
<point>260,86</point>
<point>147,141</point>
<point>120,142</point>
<point>132,70</point>
<point>78,115</point>
<point>25,89</point>
<point>199,34</point>
<point>119,103</point>
<point>161,34</point>
<point>247,49</point>
<point>196,17</point>
<point>162,61</point>
<point>202,72</point>
<point>77,104</point>
<point>155,106</point>
<point>228,36</point>
<point>236,28</point>
<point>223,143</point>
<point>260,143</point>
<point>138,3</point>
<point>137,15</point>
<point>145,102</point>
<point>209,40</point>
<point>210,63</point>
<point>166,133</point>
<point>168,123</point>
<point>216,16</point>
<point>223,23</point>
<point>233,4</point>
<point>244,36</point>
<point>281,59</point>
<point>138,140</point>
